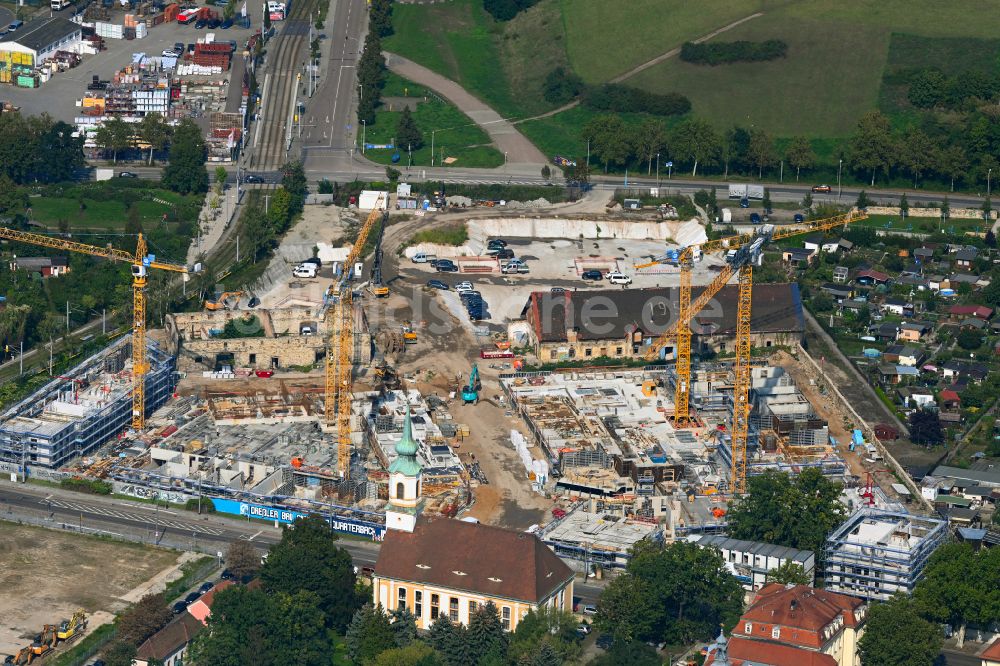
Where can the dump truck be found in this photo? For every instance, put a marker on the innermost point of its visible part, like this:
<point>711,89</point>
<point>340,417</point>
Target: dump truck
<point>745,191</point>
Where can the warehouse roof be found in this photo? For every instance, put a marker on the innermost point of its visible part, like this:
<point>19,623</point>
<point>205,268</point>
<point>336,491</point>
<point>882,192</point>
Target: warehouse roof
<point>754,547</point>
<point>43,32</point>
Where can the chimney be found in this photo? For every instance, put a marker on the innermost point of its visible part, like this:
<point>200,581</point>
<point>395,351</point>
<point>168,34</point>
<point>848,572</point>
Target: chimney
<point>794,604</point>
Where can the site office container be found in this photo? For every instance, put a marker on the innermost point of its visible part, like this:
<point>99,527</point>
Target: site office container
<point>170,12</point>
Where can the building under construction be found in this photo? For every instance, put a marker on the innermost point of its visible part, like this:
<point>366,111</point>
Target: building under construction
<point>80,411</point>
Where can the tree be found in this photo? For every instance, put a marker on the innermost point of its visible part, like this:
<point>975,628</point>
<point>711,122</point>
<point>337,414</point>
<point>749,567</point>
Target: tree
<point>773,508</point>
<point>696,141</point>
<point>927,88</point>
<point>917,153</point>
<point>186,171</point>
<point>380,17</point>
<point>142,620</point>
<point>650,139</point>
<point>990,239</point>
<point>404,626</point>
<point>789,573</point>
<point>561,86</point>
<point>961,586</point>
<point>486,637</point>
<point>545,626</point>
<point>904,206</point>
<point>369,634</point>
<point>242,559</point>
<point>633,653</point>
<point>220,179</point>
<point>546,172</point>
<point>987,209</point>
<point>119,653</point>
<point>735,147</point>
<point>153,130</point>
<point>677,594</point>
<point>308,558</point>
<point>13,199</point>
<point>761,151</point>
<point>59,154</point>
<point>416,654</point>
<point>577,175</point>
<point>872,147</point>
<point>113,135</point>
<point>896,635</point>
<point>407,132</point>
<point>807,202</point>
<point>925,427</point>
<point>969,339</point>
<point>952,162</point>
<point>449,639</point>
<point>608,139</point>
<point>863,201</point>
<point>800,155</point>
<point>766,201</point>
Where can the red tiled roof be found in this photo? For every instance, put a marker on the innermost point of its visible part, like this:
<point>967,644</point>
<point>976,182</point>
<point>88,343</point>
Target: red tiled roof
<point>170,639</point>
<point>745,651</point>
<point>873,274</point>
<point>950,396</point>
<point>202,608</point>
<point>800,608</point>
<point>980,311</point>
<point>992,652</point>
<point>470,556</point>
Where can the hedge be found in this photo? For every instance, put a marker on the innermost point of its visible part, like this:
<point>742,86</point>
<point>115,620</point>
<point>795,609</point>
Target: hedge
<point>623,99</point>
<point>721,53</point>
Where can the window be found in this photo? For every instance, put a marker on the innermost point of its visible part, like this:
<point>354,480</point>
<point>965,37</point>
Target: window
<point>618,351</point>
<point>253,359</point>
<point>399,490</point>
<point>588,351</point>
<point>401,604</point>
<point>776,632</point>
<point>505,618</point>
<point>418,603</point>
<point>453,609</point>
<point>473,607</point>
<point>748,628</point>
<point>553,354</point>
<point>435,600</point>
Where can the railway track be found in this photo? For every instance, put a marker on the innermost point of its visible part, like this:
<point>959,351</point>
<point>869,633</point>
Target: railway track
<point>287,53</point>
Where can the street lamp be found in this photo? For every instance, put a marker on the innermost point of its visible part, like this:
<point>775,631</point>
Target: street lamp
<point>505,159</point>
<point>364,134</point>
<point>840,166</point>
<point>657,169</point>
<point>989,173</point>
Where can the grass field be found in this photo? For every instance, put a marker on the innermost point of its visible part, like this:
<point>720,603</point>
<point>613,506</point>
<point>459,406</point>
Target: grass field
<point>457,136</point>
<point>100,212</point>
<point>924,225</point>
<point>560,134</point>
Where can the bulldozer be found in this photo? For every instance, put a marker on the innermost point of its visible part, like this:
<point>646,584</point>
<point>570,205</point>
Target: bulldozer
<point>44,642</point>
<point>73,627</point>
<point>220,302</point>
<point>24,656</point>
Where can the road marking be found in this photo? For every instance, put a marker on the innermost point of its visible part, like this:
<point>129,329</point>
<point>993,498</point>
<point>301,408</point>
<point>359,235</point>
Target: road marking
<point>255,535</point>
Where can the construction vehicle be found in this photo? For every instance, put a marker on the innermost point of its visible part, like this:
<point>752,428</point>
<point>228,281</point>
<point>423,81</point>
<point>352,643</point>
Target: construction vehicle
<point>45,642</point>
<point>338,308</point>
<point>409,335</point>
<point>470,392</point>
<point>23,656</point>
<point>141,262</point>
<point>375,285</point>
<point>220,303</point>
<point>743,251</point>
<point>73,627</point>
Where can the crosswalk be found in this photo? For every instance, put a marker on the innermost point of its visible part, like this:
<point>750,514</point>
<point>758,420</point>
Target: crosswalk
<point>160,520</point>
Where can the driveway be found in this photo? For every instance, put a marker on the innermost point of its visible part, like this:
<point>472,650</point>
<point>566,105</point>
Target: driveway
<point>504,135</point>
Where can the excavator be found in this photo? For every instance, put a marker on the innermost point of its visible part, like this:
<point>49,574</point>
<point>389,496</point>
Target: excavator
<point>44,642</point>
<point>220,302</point>
<point>470,392</point>
<point>73,627</point>
<point>24,656</point>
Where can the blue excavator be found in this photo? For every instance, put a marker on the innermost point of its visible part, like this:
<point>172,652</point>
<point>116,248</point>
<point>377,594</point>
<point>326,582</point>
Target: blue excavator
<point>470,392</point>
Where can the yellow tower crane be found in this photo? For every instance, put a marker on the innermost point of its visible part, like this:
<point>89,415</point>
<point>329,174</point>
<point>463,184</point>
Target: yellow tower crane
<point>744,250</point>
<point>141,261</point>
<point>339,309</point>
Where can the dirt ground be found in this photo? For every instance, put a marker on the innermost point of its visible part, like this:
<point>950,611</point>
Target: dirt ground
<point>47,576</point>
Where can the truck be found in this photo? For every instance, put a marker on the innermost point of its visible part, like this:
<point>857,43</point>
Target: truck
<point>745,191</point>
<point>58,5</point>
<point>104,174</point>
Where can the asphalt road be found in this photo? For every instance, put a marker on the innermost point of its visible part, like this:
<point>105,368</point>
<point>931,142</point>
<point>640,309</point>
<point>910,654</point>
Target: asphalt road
<point>173,527</point>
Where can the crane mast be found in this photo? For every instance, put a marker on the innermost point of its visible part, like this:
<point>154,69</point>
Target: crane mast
<point>141,261</point>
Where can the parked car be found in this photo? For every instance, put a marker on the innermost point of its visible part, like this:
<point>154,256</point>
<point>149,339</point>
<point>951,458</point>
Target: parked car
<point>206,586</point>
<point>313,260</point>
<point>442,267</point>
<point>227,24</point>
<point>228,575</point>
<point>470,297</point>
<point>591,275</point>
<point>252,178</point>
<point>200,24</point>
<point>799,218</point>
<point>744,203</point>
<point>500,253</point>
<point>128,174</point>
<point>754,218</point>
<point>179,607</point>
<point>590,610</point>
<point>423,258</point>
<point>169,53</point>
<point>305,271</point>
<point>464,286</point>
<point>583,629</point>
<point>619,278</point>
<point>496,242</point>
<point>822,189</point>
<point>178,47</point>
<point>557,290</point>
<point>214,23</point>
<point>437,284</point>
<point>191,597</point>
<point>605,641</point>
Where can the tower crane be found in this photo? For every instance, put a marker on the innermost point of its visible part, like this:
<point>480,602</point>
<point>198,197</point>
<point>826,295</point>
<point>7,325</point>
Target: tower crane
<point>339,309</point>
<point>744,251</point>
<point>141,262</point>
<point>378,289</point>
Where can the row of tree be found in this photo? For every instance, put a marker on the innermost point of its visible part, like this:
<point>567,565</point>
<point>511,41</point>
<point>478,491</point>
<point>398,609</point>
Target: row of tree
<point>263,225</point>
<point>37,149</point>
<point>371,66</point>
<point>721,53</point>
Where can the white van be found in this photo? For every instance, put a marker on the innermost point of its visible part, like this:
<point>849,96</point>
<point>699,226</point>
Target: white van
<point>305,271</point>
<point>422,258</point>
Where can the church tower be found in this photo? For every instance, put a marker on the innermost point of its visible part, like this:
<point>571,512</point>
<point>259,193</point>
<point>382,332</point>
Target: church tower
<point>404,482</point>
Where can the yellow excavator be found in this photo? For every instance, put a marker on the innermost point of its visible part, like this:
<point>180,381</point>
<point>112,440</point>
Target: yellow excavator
<point>73,627</point>
<point>220,302</point>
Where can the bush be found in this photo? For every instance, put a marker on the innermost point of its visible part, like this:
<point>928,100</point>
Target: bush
<point>206,505</point>
<point>721,53</point>
<point>623,99</point>
<point>453,234</point>
<point>505,10</point>
<point>92,486</point>
<point>324,187</point>
<point>562,85</point>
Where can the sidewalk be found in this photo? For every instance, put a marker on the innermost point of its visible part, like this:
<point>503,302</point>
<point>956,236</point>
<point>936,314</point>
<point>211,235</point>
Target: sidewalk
<point>214,222</point>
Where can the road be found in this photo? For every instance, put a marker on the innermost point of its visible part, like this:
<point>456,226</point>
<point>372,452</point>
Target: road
<point>173,527</point>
